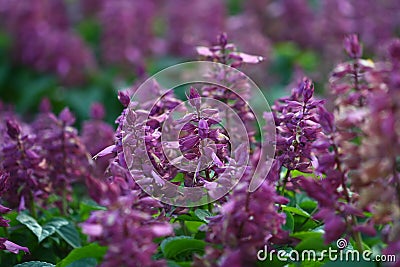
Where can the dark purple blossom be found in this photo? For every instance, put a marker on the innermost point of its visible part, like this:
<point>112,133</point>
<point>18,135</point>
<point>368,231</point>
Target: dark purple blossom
<point>187,28</point>
<point>352,46</point>
<point>96,135</point>
<point>296,119</point>
<point>44,41</point>
<point>24,168</point>
<point>128,228</point>
<point>66,156</point>
<point>247,222</point>
<point>120,44</point>
<point>226,53</point>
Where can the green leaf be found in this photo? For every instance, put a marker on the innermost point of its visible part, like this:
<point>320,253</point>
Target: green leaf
<point>202,214</point>
<point>70,235</point>
<point>193,226</point>
<point>35,264</point>
<point>308,205</point>
<point>173,247</point>
<point>47,230</point>
<point>289,225</point>
<point>31,223</point>
<point>187,217</point>
<point>314,241</point>
<point>361,263</point>
<point>86,207</point>
<point>94,251</point>
<point>179,264</point>
<point>296,210</point>
<point>308,234</point>
<point>178,178</point>
<point>85,262</point>
<point>50,228</point>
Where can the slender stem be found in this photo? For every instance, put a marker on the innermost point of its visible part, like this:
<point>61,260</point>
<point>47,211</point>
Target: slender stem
<point>308,218</point>
<point>184,229</point>
<point>357,236</point>
<point>356,81</point>
<point>285,180</point>
<point>64,202</point>
<point>32,206</point>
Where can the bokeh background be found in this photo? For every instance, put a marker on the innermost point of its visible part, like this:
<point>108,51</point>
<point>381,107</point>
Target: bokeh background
<point>76,53</point>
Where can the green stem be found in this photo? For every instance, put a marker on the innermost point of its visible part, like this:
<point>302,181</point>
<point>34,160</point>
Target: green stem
<point>64,202</point>
<point>285,180</point>
<point>33,207</point>
<point>357,237</point>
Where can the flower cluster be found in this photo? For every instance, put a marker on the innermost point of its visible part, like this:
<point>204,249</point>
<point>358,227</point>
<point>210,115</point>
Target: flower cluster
<point>67,158</point>
<point>377,177</point>
<point>128,228</point>
<point>356,152</point>
<point>41,159</point>
<point>331,19</point>
<point>246,223</point>
<point>120,44</point>
<point>296,119</point>
<point>43,40</point>
<point>24,168</point>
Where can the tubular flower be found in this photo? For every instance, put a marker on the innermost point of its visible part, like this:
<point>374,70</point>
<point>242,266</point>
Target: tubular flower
<point>24,167</point>
<point>96,135</point>
<point>296,119</point>
<point>247,222</point>
<point>377,178</point>
<point>67,158</point>
<point>128,228</point>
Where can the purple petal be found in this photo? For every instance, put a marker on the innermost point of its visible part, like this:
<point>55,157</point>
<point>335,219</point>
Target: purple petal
<point>14,248</point>
<point>204,51</point>
<point>4,209</point>
<point>106,151</point>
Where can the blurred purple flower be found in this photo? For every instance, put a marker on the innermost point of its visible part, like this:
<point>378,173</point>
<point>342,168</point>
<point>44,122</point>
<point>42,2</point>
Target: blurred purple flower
<point>44,41</point>
<point>120,44</point>
<point>96,135</point>
<point>129,226</point>
<point>191,23</point>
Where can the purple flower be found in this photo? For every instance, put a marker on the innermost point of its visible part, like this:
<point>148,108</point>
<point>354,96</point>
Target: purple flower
<point>96,135</point>
<point>226,53</point>
<point>247,222</point>
<point>66,157</point>
<point>43,40</point>
<point>24,168</point>
<point>296,120</point>
<point>186,29</point>
<point>4,243</point>
<point>352,46</point>
<point>11,247</point>
<point>194,98</point>
<point>128,228</point>
<point>120,45</point>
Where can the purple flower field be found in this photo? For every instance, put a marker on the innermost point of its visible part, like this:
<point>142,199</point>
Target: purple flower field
<point>199,133</point>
